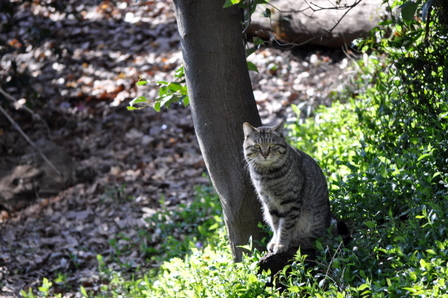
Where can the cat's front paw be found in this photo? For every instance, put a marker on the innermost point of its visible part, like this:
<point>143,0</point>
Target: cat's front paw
<point>271,246</point>
<point>277,248</point>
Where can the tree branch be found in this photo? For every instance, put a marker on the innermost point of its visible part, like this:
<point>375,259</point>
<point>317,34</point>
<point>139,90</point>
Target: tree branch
<point>19,105</point>
<point>319,8</point>
<point>16,126</point>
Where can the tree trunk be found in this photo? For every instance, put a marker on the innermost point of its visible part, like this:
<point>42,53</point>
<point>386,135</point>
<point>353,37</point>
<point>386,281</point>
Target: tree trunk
<point>221,100</point>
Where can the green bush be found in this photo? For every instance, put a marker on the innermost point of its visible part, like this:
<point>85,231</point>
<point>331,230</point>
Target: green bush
<point>386,155</point>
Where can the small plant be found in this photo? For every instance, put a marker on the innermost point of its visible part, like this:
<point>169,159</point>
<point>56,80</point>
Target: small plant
<point>116,193</point>
<point>189,225</point>
<point>60,278</point>
<point>169,93</point>
<point>44,290</point>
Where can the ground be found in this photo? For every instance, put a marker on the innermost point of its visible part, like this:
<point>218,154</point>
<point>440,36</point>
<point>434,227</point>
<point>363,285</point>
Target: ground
<point>76,64</point>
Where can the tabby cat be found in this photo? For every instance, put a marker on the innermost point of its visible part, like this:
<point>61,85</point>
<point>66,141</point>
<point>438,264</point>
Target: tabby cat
<point>291,187</point>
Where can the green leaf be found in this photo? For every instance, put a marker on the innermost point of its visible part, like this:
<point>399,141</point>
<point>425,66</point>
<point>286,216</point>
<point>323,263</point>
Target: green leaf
<point>252,66</point>
<point>252,278</point>
<point>250,51</point>
<point>214,226</point>
<point>423,156</point>
<point>46,285</point>
<point>436,174</point>
<point>137,100</point>
<point>157,106</point>
<point>186,101</point>
<point>258,41</point>
<point>399,239</point>
<point>164,91</point>
<point>229,3</point>
<point>165,101</point>
<point>138,103</point>
<point>408,10</point>
<point>175,86</point>
<point>362,274</point>
<point>370,224</point>
<point>294,289</point>
<point>29,294</point>
<point>83,291</point>
<point>385,23</point>
<point>256,2</point>
<point>180,72</point>
<point>141,83</point>
<point>431,251</point>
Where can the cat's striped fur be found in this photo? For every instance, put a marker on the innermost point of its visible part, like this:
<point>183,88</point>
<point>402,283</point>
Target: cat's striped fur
<point>291,187</point>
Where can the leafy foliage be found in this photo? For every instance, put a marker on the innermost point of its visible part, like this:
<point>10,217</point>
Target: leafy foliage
<point>169,93</point>
<point>392,184</point>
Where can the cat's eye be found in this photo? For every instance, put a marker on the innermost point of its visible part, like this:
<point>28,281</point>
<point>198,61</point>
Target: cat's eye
<point>272,145</point>
<point>256,146</point>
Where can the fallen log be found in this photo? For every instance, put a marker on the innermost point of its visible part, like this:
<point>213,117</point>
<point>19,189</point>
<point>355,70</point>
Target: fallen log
<point>318,22</point>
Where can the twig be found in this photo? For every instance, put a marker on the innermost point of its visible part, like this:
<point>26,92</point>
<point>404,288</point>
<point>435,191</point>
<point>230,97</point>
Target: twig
<point>18,105</point>
<point>335,6</point>
<point>16,126</point>
<point>317,7</point>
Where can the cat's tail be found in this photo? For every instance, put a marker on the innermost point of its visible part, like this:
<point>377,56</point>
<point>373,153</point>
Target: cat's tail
<point>340,228</point>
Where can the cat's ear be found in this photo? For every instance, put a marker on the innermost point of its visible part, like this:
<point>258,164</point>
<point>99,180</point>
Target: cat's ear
<point>248,129</point>
<point>279,128</point>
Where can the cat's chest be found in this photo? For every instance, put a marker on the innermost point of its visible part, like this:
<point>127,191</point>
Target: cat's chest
<point>273,185</point>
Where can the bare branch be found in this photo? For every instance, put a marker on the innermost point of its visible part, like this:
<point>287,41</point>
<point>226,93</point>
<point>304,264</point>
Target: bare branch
<point>317,7</point>
<point>16,126</point>
<point>334,6</point>
<point>19,105</point>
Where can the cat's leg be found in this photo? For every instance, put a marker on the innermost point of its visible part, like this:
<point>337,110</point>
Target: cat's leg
<point>273,220</point>
<point>284,235</point>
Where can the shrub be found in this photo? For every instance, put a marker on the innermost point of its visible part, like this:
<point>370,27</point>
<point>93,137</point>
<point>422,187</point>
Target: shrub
<point>386,154</point>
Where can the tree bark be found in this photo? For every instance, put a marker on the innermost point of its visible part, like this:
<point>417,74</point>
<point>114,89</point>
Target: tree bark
<point>221,100</point>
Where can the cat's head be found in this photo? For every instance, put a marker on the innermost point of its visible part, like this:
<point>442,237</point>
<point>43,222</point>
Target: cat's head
<point>264,145</point>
